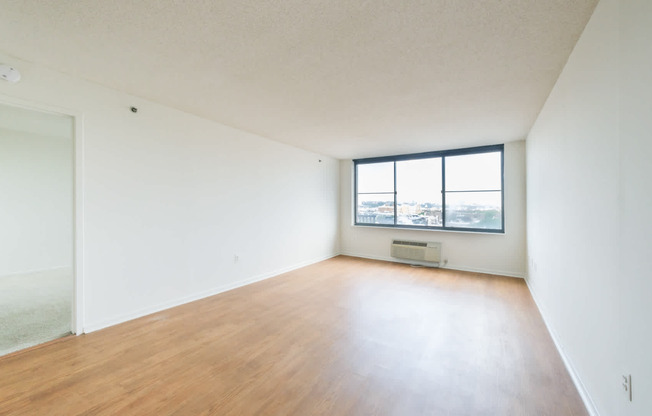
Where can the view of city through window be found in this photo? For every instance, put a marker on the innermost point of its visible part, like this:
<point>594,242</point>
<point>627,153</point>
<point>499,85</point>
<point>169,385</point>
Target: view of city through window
<point>473,192</point>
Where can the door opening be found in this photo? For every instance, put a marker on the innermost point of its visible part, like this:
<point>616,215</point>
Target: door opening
<point>37,281</point>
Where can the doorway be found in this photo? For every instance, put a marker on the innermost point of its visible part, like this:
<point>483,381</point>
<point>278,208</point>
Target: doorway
<point>36,227</point>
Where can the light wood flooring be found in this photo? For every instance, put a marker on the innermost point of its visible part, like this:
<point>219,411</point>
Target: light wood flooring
<point>345,336</point>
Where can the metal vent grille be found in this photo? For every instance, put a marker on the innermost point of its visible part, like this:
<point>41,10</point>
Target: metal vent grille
<point>416,250</point>
<point>410,243</point>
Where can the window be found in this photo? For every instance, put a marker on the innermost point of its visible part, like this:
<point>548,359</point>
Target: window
<point>458,189</point>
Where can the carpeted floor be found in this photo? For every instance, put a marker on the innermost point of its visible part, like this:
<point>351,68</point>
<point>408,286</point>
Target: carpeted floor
<point>34,308</point>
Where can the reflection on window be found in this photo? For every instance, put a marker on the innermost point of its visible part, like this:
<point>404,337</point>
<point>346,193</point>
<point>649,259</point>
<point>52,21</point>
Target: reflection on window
<point>474,191</point>
<point>458,189</point>
<point>474,210</point>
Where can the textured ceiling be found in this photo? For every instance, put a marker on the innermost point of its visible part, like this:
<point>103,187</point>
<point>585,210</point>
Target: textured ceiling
<point>339,77</point>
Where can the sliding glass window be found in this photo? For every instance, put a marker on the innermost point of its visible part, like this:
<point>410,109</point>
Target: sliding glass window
<point>460,189</point>
<point>376,193</point>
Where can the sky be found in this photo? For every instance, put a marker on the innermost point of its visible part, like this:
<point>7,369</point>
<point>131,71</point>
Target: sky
<point>420,180</point>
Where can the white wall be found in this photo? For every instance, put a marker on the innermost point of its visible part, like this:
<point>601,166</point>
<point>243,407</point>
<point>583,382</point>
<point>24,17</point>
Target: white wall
<point>489,253</point>
<point>36,208</point>
<point>169,199</point>
<point>590,204</point>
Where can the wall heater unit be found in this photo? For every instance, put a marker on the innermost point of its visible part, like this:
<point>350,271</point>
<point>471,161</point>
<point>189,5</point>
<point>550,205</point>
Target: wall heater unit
<point>417,250</point>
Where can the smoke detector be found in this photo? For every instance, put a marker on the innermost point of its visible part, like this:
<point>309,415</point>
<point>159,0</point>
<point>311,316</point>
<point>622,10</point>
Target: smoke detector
<point>9,73</point>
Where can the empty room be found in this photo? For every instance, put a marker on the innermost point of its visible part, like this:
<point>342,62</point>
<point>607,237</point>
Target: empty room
<point>326,208</point>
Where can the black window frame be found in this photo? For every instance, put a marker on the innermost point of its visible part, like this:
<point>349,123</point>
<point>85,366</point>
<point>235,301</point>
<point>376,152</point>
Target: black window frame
<point>429,155</point>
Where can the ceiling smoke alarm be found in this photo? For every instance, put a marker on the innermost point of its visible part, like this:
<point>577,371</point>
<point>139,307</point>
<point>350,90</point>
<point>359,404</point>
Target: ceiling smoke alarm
<point>9,73</point>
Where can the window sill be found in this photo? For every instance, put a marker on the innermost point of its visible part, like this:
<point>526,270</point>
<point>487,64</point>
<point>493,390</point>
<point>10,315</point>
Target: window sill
<point>428,229</point>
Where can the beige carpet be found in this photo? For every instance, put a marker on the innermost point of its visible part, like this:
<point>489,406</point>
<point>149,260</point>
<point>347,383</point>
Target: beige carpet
<point>34,308</point>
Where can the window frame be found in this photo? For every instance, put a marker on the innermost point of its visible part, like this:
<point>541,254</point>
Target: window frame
<point>429,155</point>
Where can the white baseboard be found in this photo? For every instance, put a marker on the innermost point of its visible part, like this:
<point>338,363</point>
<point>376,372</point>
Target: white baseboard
<point>196,296</point>
<point>485,271</point>
<point>454,267</point>
<point>584,394</point>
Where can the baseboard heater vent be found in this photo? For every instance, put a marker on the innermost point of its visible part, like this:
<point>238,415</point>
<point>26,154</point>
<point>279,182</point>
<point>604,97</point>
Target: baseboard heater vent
<point>420,251</point>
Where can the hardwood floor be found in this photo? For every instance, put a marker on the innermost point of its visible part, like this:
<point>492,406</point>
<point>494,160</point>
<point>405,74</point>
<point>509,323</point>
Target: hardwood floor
<point>342,337</point>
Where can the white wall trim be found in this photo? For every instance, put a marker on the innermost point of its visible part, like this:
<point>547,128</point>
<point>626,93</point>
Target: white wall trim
<point>78,224</point>
<point>78,198</point>
<point>455,267</point>
<point>584,394</point>
<point>432,230</point>
<point>196,296</point>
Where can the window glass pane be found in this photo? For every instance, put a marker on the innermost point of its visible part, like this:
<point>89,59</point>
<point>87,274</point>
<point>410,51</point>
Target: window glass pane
<point>376,177</point>
<point>474,210</point>
<point>418,192</point>
<point>473,172</point>
<point>376,208</point>
<point>473,191</point>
